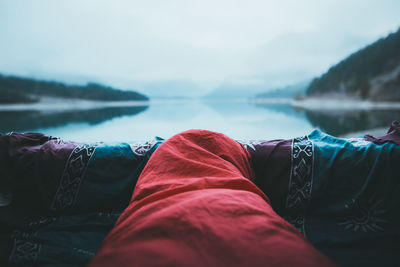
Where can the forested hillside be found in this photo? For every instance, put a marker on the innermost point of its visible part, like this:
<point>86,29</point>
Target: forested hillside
<point>371,73</point>
<point>23,90</point>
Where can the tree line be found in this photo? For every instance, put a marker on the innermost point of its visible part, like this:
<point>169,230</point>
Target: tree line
<point>25,90</point>
<point>354,75</point>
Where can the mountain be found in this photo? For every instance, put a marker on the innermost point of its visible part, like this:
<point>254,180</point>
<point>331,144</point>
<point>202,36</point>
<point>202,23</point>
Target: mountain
<point>289,91</point>
<point>25,90</point>
<point>371,73</point>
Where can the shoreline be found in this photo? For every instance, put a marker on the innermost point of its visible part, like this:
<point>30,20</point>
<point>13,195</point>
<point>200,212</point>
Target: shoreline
<point>312,104</point>
<point>321,104</point>
<point>63,104</point>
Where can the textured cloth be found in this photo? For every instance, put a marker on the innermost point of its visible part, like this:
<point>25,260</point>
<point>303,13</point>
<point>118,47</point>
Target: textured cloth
<point>195,204</point>
<point>64,197</point>
<point>343,195</point>
<point>353,212</point>
<point>392,135</point>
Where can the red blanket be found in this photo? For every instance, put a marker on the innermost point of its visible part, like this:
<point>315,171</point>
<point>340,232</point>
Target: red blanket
<point>195,204</point>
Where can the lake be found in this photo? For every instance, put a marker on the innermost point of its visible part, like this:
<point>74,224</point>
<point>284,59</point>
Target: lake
<point>239,119</point>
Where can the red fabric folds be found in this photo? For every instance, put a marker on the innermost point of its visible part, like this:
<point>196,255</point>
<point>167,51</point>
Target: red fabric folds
<point>195,204</point>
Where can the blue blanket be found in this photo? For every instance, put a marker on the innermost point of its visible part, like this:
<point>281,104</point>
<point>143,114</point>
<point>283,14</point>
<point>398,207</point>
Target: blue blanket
<point>64,197</point>
<point>344,195</point>
<point>58,200</point>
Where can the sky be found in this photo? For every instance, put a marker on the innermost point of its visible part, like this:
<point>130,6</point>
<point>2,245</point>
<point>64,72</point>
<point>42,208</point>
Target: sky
<point>183,47</point>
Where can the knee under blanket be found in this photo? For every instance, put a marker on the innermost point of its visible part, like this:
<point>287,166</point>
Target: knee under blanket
<point>195,204</point>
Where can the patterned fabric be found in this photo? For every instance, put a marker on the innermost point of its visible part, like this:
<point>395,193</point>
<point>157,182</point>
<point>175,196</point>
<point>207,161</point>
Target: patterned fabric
<point>195,204</point>
<point>62,198</point>
<point>342,194</point>
<point>24,251</point>
<point>300,183</point>
<point>58,199</point>
<point>352,215</point>
<point>71,179</point>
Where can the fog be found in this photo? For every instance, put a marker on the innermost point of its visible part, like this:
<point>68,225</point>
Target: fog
<point>186,48</point>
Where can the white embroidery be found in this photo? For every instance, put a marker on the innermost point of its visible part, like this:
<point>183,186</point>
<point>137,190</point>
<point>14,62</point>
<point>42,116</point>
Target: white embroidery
<point>300,182</point>
<point>24,251</point>
<point>72,177</point>
<point>250,143</point>
<point>141,148</point>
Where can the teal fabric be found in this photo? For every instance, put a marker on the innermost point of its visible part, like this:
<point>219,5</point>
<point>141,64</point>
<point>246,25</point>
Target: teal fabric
<point>343,195</point>
<point>354,210</point>
<point>67,240</point>
<point>95,187</point>
<point>112,172</point>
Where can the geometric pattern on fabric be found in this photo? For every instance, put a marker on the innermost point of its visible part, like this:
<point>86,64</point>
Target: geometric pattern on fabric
<point>300,183</point>
<point>71,179</point>
<point>24,251</point>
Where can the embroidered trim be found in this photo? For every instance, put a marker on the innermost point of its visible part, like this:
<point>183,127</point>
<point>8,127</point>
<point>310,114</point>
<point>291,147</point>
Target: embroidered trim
<point>300,183</point>
<point>24,251</point>
<point>71,179</point>
<point>141,148</point>
<point>42,221</point>
<point>250,144</point>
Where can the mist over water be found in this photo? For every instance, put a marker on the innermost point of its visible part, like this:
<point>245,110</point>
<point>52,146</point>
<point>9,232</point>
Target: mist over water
<point>239,119</point>
<point>167,49</point>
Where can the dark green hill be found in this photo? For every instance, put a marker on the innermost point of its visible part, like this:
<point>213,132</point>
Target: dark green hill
<point>25,90</point>
<point>371,73</point>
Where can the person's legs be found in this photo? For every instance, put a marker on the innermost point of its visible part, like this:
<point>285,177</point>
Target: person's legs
<point>195,204</point>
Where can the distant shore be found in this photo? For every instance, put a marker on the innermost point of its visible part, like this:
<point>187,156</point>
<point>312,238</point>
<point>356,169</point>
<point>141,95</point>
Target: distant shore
<point>329,104</point>
<point>313,104</point>
<point>60,104</point>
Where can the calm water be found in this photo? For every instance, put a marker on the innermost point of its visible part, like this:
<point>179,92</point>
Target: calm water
<point>237,119</point>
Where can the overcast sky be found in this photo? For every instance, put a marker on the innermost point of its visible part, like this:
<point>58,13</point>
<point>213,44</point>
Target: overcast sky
<point>130,44</point>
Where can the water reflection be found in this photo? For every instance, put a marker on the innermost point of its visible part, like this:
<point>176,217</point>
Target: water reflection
<point>284,108</point>
<point>237,119</point>
<point>31,120</point>
<point>340,122</point>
